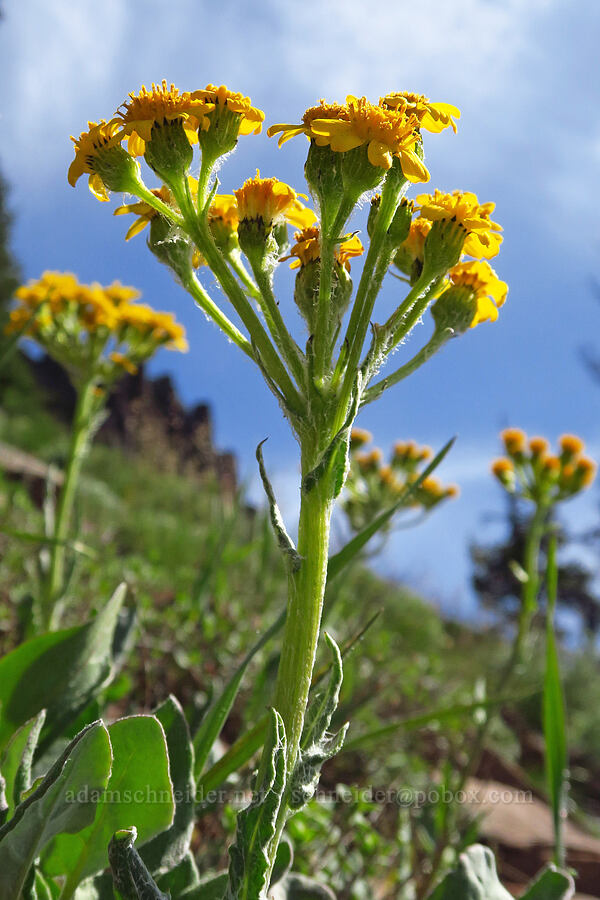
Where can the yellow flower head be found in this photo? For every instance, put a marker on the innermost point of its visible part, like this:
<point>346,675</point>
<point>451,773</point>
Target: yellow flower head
<point>251,118</point>
<point>141,111</point>
<point>571,445</point>
<point>224,209</point>
<point>359,437</point>
<point>489,291</point>
<point>272,201</point>
<point>514,440</point>
<point>432,117</point>
<point>483,238</point>
<point>323,111</point>
<point>98,137</point>
<point>160,327</point>
<point>538,446</point>
<point>385,132</point>
<point>308,248</point>
<point>144,212</point>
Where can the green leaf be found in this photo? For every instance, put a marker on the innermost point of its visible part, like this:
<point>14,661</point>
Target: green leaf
<point>340,560</point>
<point>63,803</point>
<point>182,879</point>
<point>131,878</point>
<point>211,887</point>
<point>316,745</point>
<point>257,823</point>
<point>60,672</point>
<point>17,758</point>
<point>167,849</point>
<point>215,717</point>
<point>284,859</point>
<point>139,794</point>
<point>550,884</point>
<point>300,887</point>
<point>474,878</point>
<point>284,541</point>
<point>554,716</point>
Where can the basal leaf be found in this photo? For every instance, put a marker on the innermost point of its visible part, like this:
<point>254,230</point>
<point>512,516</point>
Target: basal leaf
<point>139,794</point>
<point>63,803</point>
<point>60,672</point>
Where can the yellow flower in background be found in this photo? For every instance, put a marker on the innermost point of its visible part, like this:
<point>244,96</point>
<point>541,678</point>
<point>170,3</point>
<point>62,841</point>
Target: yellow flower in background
<point>533,473</point>
<point>141,111</point>
<point>308,248</point>
<point>483,238</point>
<point>433,117</point>
<point>271,201</point>
<point>88,145</point>
<point>490,292</point>
<point>323,111</point>
<point>251,118</point>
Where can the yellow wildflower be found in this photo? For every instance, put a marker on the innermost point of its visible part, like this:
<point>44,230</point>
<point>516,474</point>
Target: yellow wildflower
<point>138,114</point>
<point>571,445</point>
<point>514,440</point>
<point>489,291</point>
<point>271,201</point>
<point>323,111</point>
<point>308,248</point>
<point>385,132</point>
<point>98,137</point>
<point>359,437</point>
<point>433,117</point>
<point>214,97</point>
<point>121,360</point>
<point>538,446</point>
<point>483,239</point>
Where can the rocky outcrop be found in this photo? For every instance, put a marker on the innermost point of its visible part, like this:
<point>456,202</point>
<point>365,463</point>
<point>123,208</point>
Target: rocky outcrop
<point>146,417</point>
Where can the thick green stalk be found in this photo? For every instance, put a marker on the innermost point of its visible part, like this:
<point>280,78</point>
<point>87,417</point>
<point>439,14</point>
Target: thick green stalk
<point>82,423</point>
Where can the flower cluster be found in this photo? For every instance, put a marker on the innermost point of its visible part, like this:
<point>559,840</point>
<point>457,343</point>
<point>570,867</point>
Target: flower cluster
<point>374,486</point>
<point>532,472</point>
<point>92,330</point>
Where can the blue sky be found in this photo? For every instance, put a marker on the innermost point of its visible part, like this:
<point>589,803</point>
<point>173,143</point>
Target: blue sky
<point>524,74</point>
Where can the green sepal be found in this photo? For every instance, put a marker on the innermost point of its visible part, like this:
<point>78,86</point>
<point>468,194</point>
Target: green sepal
<point>358,174</point>
<point>131,878</point>
<point>455,309</point>
<point>443,247</point>
<point>323,173</point>
<point>119,171</point>
<point>284,541</point>
<point>169,152</point>
<point>250,855</point>
<point>17,759</point>
<point>222,133</point>
<point>171,246</point>
<point>317,746</point>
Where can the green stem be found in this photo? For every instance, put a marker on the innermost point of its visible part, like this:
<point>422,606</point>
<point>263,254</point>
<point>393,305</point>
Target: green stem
<point>330,236</point>
<point>436,342</point>
<point>199,231</point>
<point>193,286</point>
<point>235,261</point>
<point>82,423</point>
<point>376,265</point>
<point>288,348</point>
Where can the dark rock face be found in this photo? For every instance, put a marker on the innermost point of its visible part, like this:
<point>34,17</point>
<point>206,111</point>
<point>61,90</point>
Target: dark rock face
<point>145,416</point>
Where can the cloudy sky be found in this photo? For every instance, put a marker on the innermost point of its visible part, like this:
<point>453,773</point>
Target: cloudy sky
<point>525,75</point>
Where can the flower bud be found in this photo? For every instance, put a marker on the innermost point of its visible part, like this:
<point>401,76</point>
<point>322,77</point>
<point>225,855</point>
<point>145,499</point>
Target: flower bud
<point>443,247</point>
<point>168,152</point>
<point>171,246</point>
<point>455,309</point>
<point>118,170</point>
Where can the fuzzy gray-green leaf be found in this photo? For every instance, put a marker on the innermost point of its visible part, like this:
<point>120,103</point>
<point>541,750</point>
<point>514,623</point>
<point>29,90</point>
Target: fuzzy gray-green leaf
<point>256,824</point>
<point>317,745</point>
<point>474,878</point>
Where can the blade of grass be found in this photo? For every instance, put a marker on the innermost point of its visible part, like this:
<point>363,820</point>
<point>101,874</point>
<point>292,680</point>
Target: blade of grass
<point>554,715</point>
<point>215,717</point>
<point>341,559</point>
